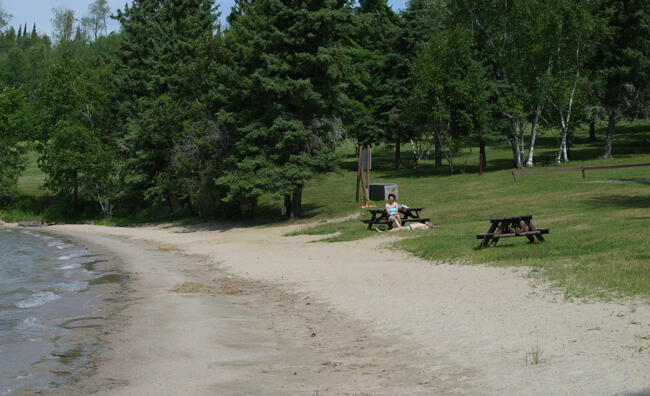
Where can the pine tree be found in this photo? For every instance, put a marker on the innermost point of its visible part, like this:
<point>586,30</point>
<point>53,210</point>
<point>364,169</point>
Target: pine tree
<point>159,43</point>
<point>293,64</point>
<point>623,61</point>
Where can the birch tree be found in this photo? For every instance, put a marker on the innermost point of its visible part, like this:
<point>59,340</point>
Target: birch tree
<point>4,17</point>
<point>63,24</point>
<point>95,22</point>
<point>574,38</point>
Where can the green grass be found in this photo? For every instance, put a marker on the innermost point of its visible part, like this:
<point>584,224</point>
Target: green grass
<point>598,244</point>
<point>32,178</point>
<point>599,240</point>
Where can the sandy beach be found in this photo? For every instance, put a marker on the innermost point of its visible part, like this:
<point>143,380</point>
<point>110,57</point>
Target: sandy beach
<point>228,310</point>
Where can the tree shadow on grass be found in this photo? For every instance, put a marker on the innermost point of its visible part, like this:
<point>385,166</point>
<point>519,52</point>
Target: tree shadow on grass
<point>620,201</point>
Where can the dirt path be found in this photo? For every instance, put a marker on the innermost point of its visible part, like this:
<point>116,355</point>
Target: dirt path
<point>348,318</point>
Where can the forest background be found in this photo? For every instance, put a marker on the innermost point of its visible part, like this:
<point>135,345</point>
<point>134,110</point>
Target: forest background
<point>179,115</point>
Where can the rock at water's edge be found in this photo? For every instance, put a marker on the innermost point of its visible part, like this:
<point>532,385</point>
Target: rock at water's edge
<point>29,224</point>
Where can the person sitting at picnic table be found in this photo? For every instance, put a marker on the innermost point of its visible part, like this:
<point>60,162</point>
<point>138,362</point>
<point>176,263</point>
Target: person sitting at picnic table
<point>392,207</point>
<point>414,226</point>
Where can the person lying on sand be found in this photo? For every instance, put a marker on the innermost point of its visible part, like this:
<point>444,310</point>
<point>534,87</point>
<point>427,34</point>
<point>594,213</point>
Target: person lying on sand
<point>411,227</point>
<point>392,207</point>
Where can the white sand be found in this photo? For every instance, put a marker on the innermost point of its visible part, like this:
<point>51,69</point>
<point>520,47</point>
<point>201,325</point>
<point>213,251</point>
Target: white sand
<point>384,322</point>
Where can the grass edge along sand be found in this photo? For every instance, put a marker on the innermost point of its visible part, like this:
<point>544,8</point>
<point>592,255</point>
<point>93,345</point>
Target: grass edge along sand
<point>599,244</point>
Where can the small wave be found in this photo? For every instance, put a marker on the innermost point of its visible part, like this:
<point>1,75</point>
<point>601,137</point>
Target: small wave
<point>72,286</point>
<point>55,243</point>
<point>30,322</point>
<point>37,300</point>
<point>69,266</point>
<point>71,255</point>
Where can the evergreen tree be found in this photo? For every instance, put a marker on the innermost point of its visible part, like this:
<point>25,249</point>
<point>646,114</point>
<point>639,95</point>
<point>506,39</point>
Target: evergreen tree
<point>623,62</point>
<point>383,89</point>
<point>159,42</point>
<point>293,64</point>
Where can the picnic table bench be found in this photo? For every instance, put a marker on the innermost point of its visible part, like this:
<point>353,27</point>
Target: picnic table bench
<point>380,216</point>
<point>513,226</point>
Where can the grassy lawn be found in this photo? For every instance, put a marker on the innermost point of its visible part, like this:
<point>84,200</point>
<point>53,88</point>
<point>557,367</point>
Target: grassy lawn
<point>599,244</point>
<point>32,178</point>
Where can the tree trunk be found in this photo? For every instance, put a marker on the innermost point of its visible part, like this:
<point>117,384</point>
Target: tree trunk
<point>515,151</point>
<point>610,136</point>
<point>482,160</point>
<point>296,204</point>
<point>190,208</point>
<point>75,196</point>
<point>592,131</point>
<point>254,207</point>
<point>450,160</point>
<point>171,206</point>
<point>287,206</point>
<point>517,142</point>
<point>533,136</point>
<point>398,153</point>
<point>438,151</point>
<point>562,151</point>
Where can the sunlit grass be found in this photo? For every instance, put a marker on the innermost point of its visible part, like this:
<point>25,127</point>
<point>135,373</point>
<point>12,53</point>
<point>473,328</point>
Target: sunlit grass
<point>599,240</point>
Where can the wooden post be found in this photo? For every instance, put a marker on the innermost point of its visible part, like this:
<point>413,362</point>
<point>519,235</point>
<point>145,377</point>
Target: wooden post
<point>367,174</point>
<point>359,173</point>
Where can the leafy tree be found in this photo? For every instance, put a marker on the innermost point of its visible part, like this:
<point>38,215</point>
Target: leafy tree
<point>15,114</point>
<point>4,17</point>
<point>574,35</point>
<point>454,92</point>
<point>63,24</point>
<point>95,21</point>
<point>75,136</point>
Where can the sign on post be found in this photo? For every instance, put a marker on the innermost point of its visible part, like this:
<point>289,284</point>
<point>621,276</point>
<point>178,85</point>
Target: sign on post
<point>366,158</point>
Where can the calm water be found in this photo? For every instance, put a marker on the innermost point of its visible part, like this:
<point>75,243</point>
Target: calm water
<point>44,286</point>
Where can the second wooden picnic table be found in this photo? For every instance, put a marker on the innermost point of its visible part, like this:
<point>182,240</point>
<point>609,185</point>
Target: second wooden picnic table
<point>380,216</point>
<point>512,226</point>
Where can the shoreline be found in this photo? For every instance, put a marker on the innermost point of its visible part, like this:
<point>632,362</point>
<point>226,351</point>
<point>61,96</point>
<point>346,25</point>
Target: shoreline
<point>290,339</point>
<point>74,351</point>
<point>350,317</point>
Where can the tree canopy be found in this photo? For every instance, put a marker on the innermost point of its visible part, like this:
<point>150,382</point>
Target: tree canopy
<point>176,111</point>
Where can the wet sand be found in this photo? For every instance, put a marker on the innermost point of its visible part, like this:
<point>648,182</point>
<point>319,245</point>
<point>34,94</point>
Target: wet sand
<point>232,311</point>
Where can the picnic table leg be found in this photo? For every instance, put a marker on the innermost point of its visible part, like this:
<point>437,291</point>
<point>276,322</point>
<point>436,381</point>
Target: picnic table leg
<point>500,230</point>
<point>486,238</point>
<point>372,221</point>
<point>533,228</point>
<point>524,226</point>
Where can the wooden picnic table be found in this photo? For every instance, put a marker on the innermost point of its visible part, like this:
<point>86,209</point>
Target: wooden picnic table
<point>380,216</point>
<point>513,226</point>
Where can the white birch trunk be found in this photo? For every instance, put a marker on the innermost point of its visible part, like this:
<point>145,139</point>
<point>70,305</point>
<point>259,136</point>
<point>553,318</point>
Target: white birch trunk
<point>538,113</point>
<point>562,155</point>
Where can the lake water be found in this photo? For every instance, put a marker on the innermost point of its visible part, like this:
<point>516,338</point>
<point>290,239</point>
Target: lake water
<point>45,285</point>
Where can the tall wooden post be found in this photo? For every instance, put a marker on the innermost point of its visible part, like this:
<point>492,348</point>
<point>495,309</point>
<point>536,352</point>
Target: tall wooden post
<point>368,174</point>
<point>359,172</point>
